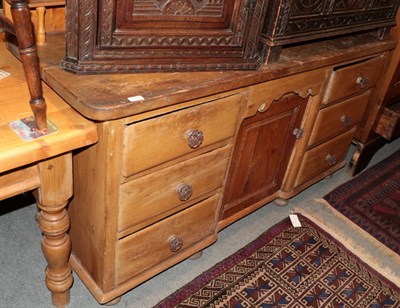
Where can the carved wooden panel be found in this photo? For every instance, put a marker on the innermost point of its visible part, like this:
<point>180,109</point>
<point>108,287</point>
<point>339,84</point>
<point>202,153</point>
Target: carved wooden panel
<point>163,35</point>
<point>294,21</point>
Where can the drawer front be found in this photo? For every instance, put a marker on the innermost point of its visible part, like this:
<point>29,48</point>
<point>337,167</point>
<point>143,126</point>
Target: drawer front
<point>353,79</point>
<point>160,241</point>
<point>338,118</point>
<point>158,140</point>
<point>157,195</point>
<point>324,156</point>
<point>389,122</point>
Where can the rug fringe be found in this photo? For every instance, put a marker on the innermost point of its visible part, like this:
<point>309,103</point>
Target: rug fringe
<point>341,234</point>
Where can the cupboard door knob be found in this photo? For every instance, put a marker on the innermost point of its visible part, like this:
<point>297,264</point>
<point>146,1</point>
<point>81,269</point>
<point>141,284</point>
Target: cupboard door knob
<point>175,243</point>
<point>185,191</point>
<point>346,120</point>
<point>362,82</point>
<point>298,133</point>
<point>331,159</point>
<point>195,138</point>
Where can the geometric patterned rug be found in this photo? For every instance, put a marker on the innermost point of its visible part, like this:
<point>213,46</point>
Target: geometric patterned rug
<point>371,200</point>
<point>289,267</point>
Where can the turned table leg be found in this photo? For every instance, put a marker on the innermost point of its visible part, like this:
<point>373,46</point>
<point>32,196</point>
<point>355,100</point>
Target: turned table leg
<point>52,198</point>
<point>40,31</point>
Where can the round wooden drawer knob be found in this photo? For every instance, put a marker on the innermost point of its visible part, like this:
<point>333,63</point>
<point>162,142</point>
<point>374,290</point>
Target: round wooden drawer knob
<point>362,82</point>
<point>331,159</point>
<point>185,191</point>
<point>175,243</point>
<point>195,138</point>
<point>298,133</point>
<point>346,120</point>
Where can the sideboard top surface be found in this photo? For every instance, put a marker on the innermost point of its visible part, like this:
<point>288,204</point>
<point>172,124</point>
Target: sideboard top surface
<point>105,97</point>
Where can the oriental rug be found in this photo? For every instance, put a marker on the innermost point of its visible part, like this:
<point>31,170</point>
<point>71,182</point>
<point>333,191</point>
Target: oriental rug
<point>289,267</point>
<point>371,200</point>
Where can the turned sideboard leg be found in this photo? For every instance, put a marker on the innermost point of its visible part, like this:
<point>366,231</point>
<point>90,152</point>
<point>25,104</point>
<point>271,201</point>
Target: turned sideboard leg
<point>52,198</point>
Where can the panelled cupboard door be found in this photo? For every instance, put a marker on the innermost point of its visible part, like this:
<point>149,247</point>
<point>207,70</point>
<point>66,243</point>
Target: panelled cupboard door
<point>163,35</point>
<point>263,148</point>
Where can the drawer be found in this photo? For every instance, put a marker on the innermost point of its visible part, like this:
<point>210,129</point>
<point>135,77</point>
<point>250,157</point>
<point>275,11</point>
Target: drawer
<point>168,190</point>
<point>353,79</point>
<point>338,118</point>
<point>324,156</point>
<point>389,122</point>
<point>142,250</point>
<point>152,142</point>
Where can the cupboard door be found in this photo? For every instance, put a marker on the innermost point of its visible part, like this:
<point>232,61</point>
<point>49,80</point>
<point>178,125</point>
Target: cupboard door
<point>265,142</point>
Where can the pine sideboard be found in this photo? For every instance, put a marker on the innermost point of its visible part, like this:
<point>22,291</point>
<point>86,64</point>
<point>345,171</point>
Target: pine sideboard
<point>182,155</point>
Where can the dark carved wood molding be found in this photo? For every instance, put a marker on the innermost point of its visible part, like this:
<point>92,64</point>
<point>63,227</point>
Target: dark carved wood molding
<point>100,39</point>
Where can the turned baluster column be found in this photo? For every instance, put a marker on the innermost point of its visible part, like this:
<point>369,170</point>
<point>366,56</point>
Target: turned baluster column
<point>21,15</point>
<point>40,31</point>
<point>52,198</point>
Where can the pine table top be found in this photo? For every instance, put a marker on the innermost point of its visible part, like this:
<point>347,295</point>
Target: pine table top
<point>73,130</point>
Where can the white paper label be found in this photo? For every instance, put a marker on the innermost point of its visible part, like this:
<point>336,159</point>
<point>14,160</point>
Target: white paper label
<point>4,74</point>
<point>136,98</point>
<point>295,220</point>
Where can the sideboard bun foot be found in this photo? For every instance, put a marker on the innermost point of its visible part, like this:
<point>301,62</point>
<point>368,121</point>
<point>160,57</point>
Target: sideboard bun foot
<point>281,202</point>
<point>113,302</point>
<point>197,255</point>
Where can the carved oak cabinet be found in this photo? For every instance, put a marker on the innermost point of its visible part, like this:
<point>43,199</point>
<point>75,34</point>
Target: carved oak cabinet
<point>163,35</point>
<point>297,21</point>
<point>202,35</point>
<point>182,155</point>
